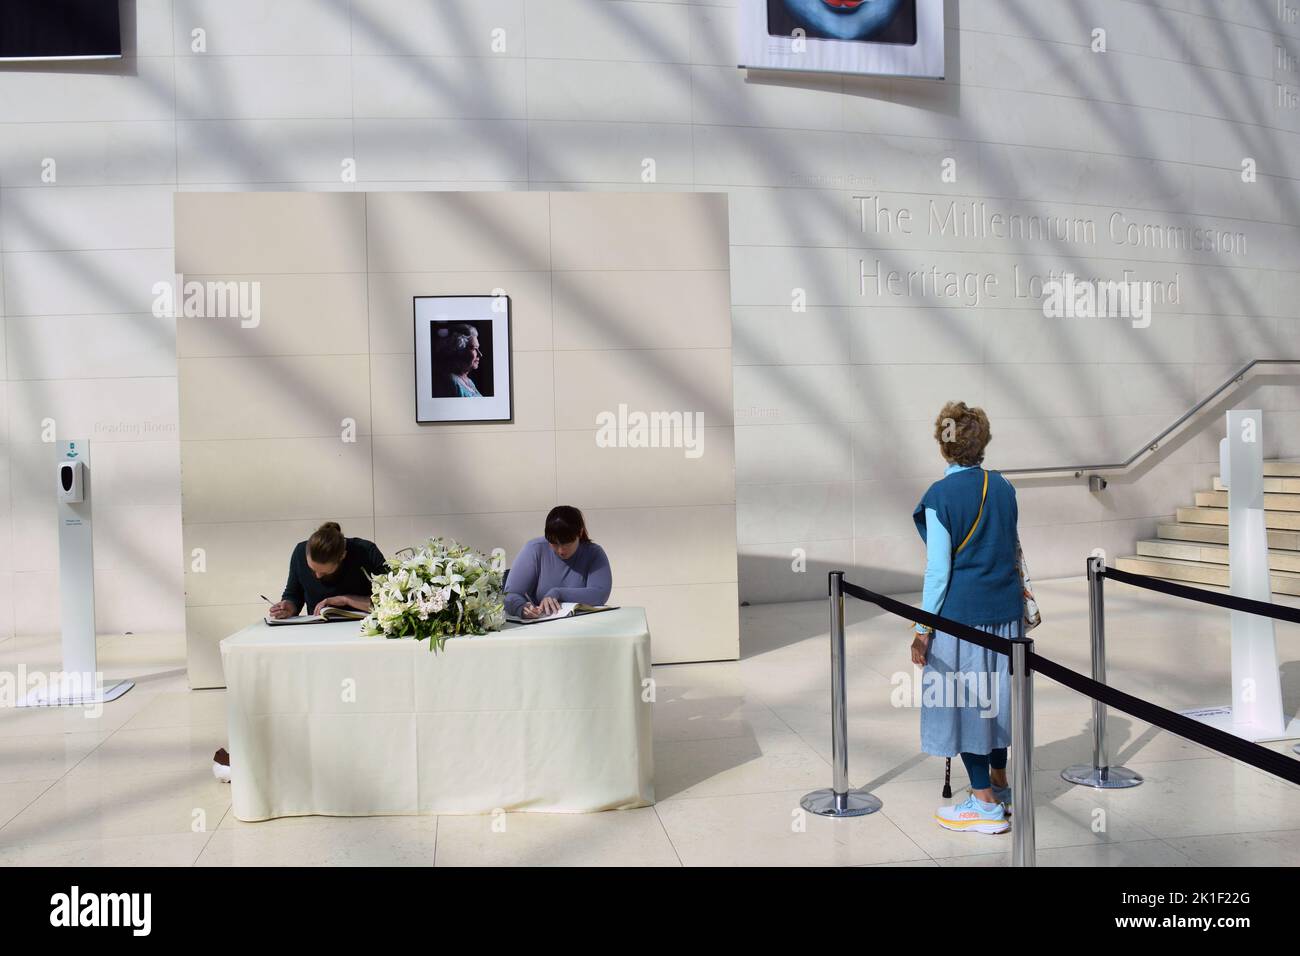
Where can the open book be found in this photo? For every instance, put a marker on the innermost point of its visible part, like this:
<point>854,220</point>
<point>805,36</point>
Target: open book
<point>325,616</point>
<point>567,609</point>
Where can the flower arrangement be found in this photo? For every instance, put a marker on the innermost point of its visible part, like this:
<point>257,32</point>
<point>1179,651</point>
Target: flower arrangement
<point>439,590</point>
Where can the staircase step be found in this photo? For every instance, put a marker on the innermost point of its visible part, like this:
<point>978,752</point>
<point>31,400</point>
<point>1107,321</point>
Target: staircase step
<point>1218,534</point>
<point>1278,560</point>
<point>1290,486</point>
<point>1193,548</point>
<point>1280,520</point>
<point>1198,572</point>
<point>1272,502</point>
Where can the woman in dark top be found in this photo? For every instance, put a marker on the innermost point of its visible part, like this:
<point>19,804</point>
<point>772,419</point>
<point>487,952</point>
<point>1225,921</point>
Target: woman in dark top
<point>326,570</point>
<point>329,570</point>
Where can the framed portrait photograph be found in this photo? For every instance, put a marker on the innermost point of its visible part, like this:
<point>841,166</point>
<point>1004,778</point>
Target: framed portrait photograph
<point>877,21</point>
<point>879,37</point>
<point>462,359</point>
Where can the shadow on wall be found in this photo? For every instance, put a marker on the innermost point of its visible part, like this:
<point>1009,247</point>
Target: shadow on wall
<point>771,577</point>
<point>925,96</point>
<point>776,579</point>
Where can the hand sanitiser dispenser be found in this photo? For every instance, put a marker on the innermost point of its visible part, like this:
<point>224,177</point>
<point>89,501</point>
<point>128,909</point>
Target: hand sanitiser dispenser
<point>80,682</point>
<point>72,481</point>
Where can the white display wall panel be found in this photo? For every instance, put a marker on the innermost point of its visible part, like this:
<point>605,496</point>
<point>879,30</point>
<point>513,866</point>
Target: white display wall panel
<point>306,411</point>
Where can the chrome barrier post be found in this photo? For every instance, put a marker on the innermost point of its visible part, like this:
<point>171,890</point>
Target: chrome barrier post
<point>839,800</point>
<point>1022,753</point>
<point>1100,775</point>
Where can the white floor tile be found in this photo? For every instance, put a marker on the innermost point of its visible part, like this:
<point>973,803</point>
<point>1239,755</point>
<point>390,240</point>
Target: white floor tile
<point>327,841</point>
<point>44,756</point>
<point>736,765</point>
<point>126,805</point>
<point>153,750</point>
<point>1139,853</point>
<point>17,797</point>
<point>1065,816</point>
<point>180,708</point>
<point>1269,848</point>
<point>167,849</point>
<point>771,829</point>
<point>736,745</point>
<point>615,838</point>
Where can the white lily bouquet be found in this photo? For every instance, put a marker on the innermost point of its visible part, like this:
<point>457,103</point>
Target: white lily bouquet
<point>439,590</point>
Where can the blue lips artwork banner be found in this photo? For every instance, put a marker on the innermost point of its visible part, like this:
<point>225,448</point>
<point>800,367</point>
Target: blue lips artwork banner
<point>883,37</point>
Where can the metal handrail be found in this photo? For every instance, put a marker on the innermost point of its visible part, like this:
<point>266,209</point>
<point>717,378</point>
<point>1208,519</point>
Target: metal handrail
<point>1154,443</point>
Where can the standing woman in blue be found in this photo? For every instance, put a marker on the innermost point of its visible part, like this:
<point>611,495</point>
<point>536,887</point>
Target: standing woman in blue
<point>968,522</point>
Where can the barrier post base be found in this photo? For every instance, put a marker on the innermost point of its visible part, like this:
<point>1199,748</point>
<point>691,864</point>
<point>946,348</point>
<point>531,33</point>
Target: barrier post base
<point>851,803</point>
<point>1101,778</point>
<point>55,697</point>
<point>1221,718</point>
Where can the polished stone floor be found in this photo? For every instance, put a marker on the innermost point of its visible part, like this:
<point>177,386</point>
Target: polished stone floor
<point>736,745</point>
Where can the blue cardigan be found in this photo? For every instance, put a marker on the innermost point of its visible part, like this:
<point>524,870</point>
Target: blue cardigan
<point>981,584</point>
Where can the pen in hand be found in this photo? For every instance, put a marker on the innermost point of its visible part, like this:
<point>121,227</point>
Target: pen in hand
<point>273,604</point>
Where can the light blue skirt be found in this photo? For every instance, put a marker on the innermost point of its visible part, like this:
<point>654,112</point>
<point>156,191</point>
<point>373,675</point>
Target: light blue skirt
<point>966,695</point>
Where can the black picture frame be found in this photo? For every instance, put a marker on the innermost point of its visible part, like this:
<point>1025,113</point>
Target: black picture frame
<point>495,403</point>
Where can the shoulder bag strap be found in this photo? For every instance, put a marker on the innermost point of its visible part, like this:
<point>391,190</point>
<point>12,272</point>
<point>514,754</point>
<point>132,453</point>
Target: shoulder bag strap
<point>983,494</point>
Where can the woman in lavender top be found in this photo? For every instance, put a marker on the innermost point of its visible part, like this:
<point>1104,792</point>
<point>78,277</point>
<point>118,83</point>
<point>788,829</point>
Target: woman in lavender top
<point>564,565</point>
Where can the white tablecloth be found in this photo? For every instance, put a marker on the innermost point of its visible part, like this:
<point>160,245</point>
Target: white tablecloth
<point>547,717</point>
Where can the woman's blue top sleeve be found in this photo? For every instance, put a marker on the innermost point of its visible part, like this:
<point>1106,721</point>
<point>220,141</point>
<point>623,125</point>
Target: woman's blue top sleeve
<point>938,563</point>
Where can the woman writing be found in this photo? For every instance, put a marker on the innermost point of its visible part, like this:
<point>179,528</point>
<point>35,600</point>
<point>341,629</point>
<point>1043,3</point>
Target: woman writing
<point>329,570</point>
<point>564,565</point>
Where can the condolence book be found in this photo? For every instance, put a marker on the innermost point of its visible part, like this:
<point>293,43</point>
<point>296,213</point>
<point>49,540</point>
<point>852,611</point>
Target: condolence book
<point>567,609</point>
<point>329,614</point>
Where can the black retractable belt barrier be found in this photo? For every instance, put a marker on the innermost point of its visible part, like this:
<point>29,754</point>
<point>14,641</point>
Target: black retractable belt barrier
<point>840,800</point>
<point>1264,608</point>
<point>1230,745</point>
<point>984,639</point>
<point>1019,651</point>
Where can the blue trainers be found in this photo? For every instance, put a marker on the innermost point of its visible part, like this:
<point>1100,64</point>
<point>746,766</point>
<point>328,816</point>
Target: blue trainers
<point>973,815</point>
<point>1002,795</point>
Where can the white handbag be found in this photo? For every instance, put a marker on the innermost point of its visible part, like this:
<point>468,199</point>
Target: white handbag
<point>1032,616</point>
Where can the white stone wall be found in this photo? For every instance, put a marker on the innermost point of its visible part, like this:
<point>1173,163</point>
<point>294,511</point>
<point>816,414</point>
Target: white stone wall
<point>834,404</point>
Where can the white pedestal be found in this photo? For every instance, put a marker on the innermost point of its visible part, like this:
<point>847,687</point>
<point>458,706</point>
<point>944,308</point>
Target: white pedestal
<point>76,697</point>
<point>1256,711</point>
<point>78,684</point>
<point>1220,718</point>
